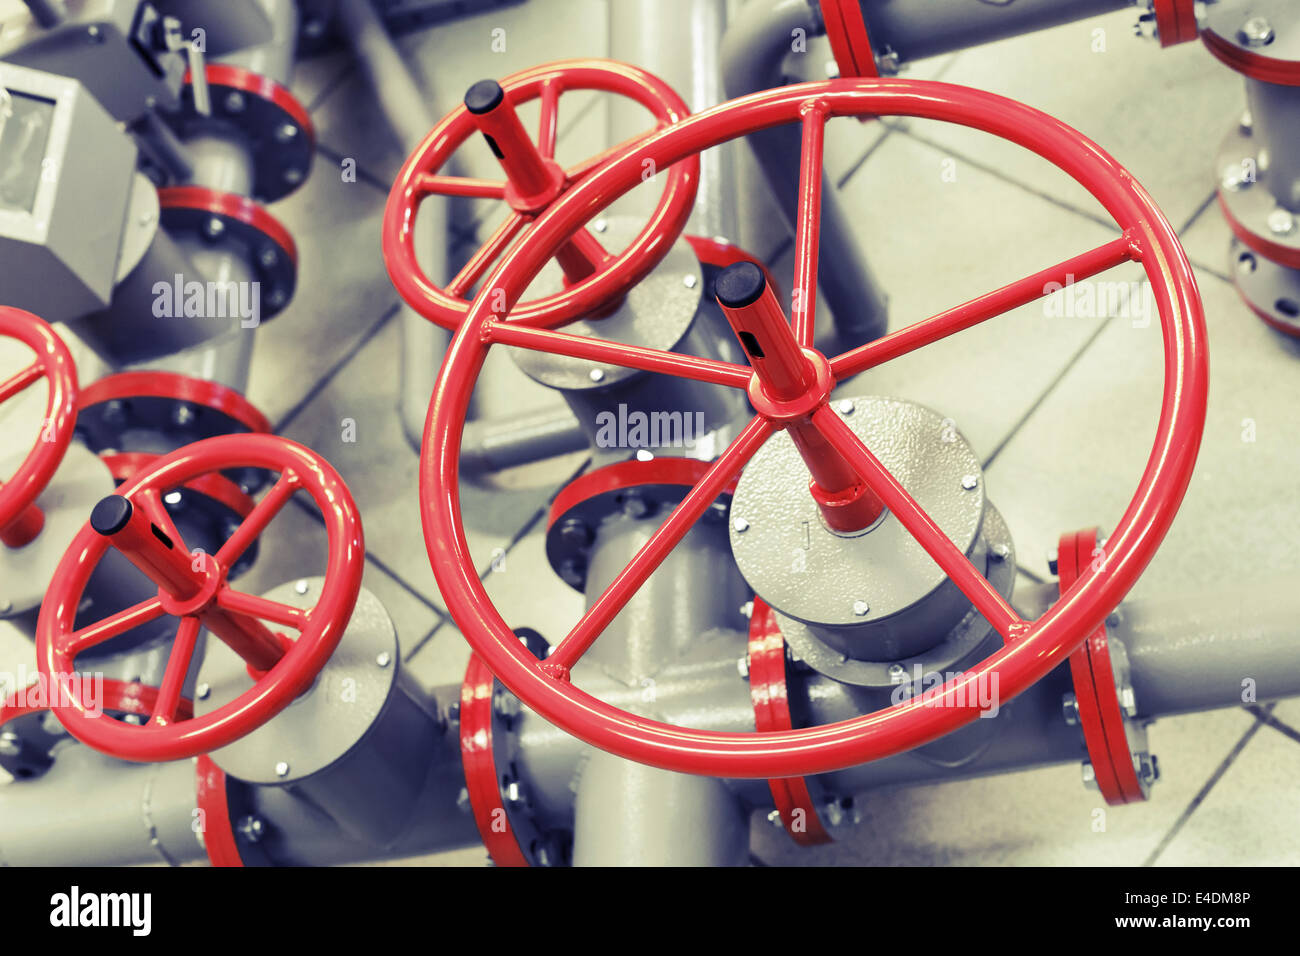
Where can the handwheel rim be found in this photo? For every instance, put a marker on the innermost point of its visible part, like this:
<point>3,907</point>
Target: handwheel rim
<point>587,296</point>
<point>55,365</point>
<point>323,627</point>
<point>1035,649</point>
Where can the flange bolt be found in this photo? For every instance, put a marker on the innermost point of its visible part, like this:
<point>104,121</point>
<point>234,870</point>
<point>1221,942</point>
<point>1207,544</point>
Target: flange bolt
<point>1256,31</point>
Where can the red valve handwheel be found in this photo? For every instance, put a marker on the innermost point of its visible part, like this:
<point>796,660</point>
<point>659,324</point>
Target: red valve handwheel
<point>612,275</point>
<point>1032,647</point>
<point>20,519</point>
<point>194,589</point>
<point>121,697</point>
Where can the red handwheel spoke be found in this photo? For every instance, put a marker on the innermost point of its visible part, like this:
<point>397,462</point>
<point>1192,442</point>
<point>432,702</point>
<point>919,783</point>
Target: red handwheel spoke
<point>582,256</point>
<point>920,525</point>
<point>720,474</point>
<point>618,353</point>
<point>488,253</point>
<point>981,309</point>
<point>467,186</point>
<point>261,515</point>
<point>546,133</point>
<point>113,625</point>
<point>237,602</point>
<point>178,665</point>
<point>589,165</point>
<point>16,383</point>
<point>803,307</point>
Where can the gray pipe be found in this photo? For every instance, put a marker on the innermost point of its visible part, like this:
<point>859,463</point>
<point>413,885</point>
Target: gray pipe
<point>753,51</point>
<point>915,30</point>
<point>133,814</point>
<point>1187,654</point>
<point>405,107</point>
<point>629,814</point>
<point>678,41</point>
<point>1275,125</point>
<point>1223,648</point>
<point>492,444</point>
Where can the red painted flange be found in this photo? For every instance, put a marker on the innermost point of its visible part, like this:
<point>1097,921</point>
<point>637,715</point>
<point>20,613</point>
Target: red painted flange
<point>20,519</point>
<point>1288,256</point>
<point>194,588</point>
<point>124,466</point>
<point>620,476</point>
<point>1267,69</point>
<point>847,33</point>
<point>598,278</point>
<point>477,756</point>
<point>264,242</point>
<point>276,125</point>
<point>1031,648</point>
<point>1175,21</point>
<point>767,687</point>
<point>180,388</point>
<point>211,798</point>
<point>1100,715</point>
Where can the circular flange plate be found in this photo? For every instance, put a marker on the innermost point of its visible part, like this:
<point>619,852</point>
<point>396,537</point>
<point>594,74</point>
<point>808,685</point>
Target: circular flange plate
<point>656,313</point>
<point>242,227</point>
<point>808,572</point>
<point>1271,291</point>
<point>158,412</point>
<point>580,507</point>
<point>327,721</point>
<point>1099,670</point>
<point>488,744</point>
<point>1250,208</point>
<point>256,110</point>
<point>1272,54</point>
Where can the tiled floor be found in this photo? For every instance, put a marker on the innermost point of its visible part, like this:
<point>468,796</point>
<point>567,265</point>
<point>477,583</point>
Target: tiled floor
<point>1062,410</point>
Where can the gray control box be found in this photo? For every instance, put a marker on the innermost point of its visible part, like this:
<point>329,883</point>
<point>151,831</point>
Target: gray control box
<point>66,170</point>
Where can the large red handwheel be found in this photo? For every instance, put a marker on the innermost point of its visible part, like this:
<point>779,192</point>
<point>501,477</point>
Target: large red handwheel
<point>193,588</point>
<point>534,181</point>
<point>790,385</point>
<point>20,519</point>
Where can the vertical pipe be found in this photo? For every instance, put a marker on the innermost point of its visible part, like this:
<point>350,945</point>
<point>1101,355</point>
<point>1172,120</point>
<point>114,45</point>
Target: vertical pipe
<point>1275,125</point>
<point>678,41</point>
<point>405,106</point>
<point>628,814</point>
<point>753,51</point>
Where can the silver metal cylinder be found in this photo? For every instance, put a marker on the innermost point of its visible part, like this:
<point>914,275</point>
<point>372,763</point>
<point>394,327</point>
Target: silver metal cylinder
<point>1275,126</point>
<point>629,814</point>
<point>134,814</point>
<point>695,591</point>
<point>678,41</point>
<point>917,30</point>
<point>493,444</point>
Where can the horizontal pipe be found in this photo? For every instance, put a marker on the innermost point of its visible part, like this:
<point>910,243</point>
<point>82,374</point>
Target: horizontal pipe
<point>915,30</point>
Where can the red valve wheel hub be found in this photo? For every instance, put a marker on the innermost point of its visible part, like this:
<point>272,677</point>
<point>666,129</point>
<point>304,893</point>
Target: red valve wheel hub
<point>20,519</point>
<point>1032,648</point>
<point>194,588</point>
<point>534,181</point>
